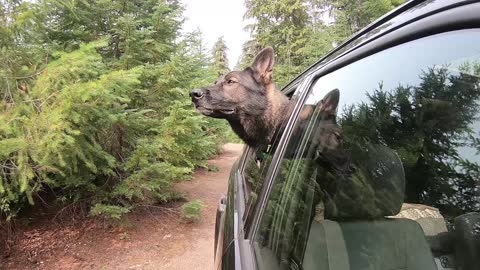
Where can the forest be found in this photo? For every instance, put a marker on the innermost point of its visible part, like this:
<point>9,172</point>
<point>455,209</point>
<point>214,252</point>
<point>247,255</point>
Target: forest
<point>94,105</point>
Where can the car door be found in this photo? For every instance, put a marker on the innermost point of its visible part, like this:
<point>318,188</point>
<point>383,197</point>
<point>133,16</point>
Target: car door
<point>246,182</point>
<point>409,99</point>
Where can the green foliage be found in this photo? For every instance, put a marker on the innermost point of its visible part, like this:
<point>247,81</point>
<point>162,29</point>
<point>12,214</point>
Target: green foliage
<point>213,168</point>
<point>109,211</point>
<point>301,31</point>
<point>429,126</point>
<point>249,49</point>
<point>191,211</point>
<point>284,26</point>
<point>353,15</point>
<point>220,60</point>
<point>95,107</point>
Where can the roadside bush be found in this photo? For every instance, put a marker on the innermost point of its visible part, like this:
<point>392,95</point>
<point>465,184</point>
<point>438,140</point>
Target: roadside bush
<point>112,137</point>
<point>191,211</point>
<point>94,105</point>
<point>109,211</point>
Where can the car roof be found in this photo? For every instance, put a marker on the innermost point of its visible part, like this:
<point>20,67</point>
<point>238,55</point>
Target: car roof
<point>404,14</point>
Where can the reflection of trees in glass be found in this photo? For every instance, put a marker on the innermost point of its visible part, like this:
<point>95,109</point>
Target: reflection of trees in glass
<point>430,127</point>
<point>288,212</point>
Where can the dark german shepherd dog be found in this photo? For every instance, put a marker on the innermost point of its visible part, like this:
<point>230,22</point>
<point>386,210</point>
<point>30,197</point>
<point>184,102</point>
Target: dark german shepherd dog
<point>248,100</point>
<point>254,107</point>
<point>344,170</point>
<point>256,111</point>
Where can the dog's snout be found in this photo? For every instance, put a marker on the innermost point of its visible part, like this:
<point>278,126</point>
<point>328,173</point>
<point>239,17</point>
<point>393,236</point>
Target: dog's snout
<point>196,93</point>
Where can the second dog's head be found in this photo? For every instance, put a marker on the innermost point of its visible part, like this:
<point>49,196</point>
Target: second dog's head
<point>238,93</point>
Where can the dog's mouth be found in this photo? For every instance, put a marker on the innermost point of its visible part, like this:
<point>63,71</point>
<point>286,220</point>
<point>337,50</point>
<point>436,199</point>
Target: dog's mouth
<point>203,110</point>
<point>210,111</point>
<point>227,111</point>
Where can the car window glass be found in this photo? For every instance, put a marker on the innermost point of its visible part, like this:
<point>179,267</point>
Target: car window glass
<point>257,163</point>
<point>382,167</point>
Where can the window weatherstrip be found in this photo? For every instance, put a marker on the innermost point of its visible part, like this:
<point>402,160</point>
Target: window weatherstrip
<point>278,155</point>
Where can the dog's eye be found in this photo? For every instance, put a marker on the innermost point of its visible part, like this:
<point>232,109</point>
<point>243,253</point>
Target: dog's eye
<point>231,81</point>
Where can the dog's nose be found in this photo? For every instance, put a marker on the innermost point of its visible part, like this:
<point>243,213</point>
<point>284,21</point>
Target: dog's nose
<point>196,93</point>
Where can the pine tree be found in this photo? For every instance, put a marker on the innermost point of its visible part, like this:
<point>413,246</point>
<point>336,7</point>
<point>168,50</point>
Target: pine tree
<point>220,59</point>
<point>301,31</point>
<point>284,26</point>
<point>249,49</point>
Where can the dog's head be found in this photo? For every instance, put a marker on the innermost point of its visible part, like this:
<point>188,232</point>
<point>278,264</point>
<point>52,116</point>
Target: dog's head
<point>329,133</point>
<point>328,136</point>
<point>238,92</point>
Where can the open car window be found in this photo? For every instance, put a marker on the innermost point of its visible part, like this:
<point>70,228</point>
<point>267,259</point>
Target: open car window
<point>257,163</point>
<point>382,170</point>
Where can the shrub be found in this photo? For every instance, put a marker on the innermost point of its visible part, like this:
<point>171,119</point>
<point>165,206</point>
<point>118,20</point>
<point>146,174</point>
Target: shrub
<point>109,211</point>
<point>191,211</point>
<point>111,137</point>
<point>99,112</point>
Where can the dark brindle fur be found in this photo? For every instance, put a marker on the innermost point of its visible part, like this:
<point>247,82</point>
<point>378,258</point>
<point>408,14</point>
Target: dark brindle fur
<point>248,100</point>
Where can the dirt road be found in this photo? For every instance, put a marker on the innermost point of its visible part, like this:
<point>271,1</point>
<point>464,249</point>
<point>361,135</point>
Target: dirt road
<point>197,247</point>
<point>151,239</point>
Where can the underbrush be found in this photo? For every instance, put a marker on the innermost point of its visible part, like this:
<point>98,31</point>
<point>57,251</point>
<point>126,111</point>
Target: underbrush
<point>110,139</point>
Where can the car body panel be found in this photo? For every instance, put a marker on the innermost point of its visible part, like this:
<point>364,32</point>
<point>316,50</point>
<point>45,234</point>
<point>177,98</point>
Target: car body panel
<point>410,21</point>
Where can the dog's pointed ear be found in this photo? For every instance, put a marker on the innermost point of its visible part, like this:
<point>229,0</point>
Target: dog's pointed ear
<point>329,102</point>
<point>263,65</point>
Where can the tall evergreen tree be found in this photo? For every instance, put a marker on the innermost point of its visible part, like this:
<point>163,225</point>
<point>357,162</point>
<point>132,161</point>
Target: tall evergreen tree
<point>249,49</point>
<point>353,15</point>
<point>220,59</point>
<point>301,31</point>
<point>284,26</point>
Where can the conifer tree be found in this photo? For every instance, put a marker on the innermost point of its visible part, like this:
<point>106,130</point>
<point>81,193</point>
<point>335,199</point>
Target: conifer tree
<point>301,31</point>
<point>220,59</point>
<point>282,25</point>
<point>94,103</point>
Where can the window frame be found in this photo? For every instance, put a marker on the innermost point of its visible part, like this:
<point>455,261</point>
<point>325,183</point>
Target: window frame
<point>245,211</point>
<point>461,17</point>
